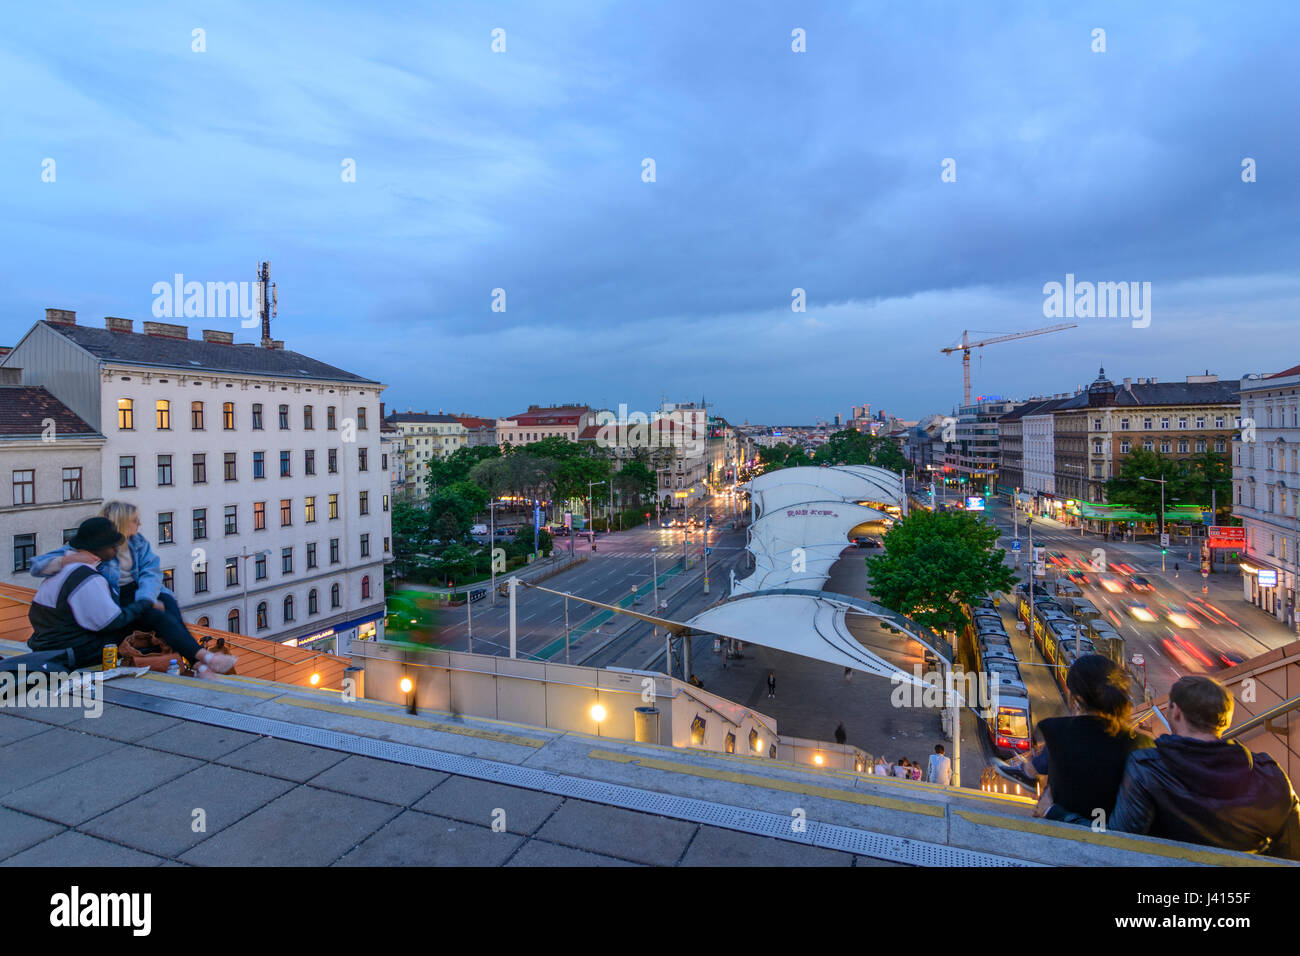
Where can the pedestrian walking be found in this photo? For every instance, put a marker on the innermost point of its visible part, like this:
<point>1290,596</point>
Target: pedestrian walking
<point>771,684</point>
<point>848,673</point>
<point>1175,569</point>
<point>840,733</point>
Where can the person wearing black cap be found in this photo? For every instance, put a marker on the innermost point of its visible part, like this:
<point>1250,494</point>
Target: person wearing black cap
<point>75,609</point>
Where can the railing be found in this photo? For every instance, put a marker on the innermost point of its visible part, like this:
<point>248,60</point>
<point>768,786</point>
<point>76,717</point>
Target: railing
<point>1286,707</point>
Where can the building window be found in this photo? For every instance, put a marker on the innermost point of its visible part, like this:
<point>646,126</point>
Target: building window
<point>71,484</point>
<point>284,418</point>
<point>231,466</point>
<point>333,463</point>
<point>228,416</point>
<point>1148,444</point>
<point>385,504</point>
<point>24,551</point>
<point>306,418</point>
<point>365,545</point>
<point>1124,447</point>
<point>1220,444</point>
<point>1182,424</point>
<point>164,470</point>
<point>334,596</point>
<point>163,415</point>
<point>201,584</point>
<point>386,548</point>
<point>125,472</point>
<point>257,416</point>
<point>1218,421</point>
<point>285,468</point>
<point>262,623</point>
<point>126,414</point>
<point>200,523</point>
<point>361,417</point>
<point>259,566</point>
<point>203,621</point>
<point>25,486</point>
<point>259,515</point>
<point>1200,444</point>
<point>309,462</point>
<point>334,506</point>
<point>313,602</point>
<point>200,469</point>
<point>288,608</point>
<point>365,587</point>
<point>286,560</point>
<point>286,512</point>
<point>232,519</point>
<point>259,464</point>
<point>329,418</point>
<point>1182,445</point>
<point>1096,448</point>
<point>1200,421</point>
<point>383,460</point>
<point>310,509</point>
<point>196,416</point>
<point>334,552</point>
<point>165,527</point>
<point>311,555</point>
<point>232,622</point>
<point>1146,424</point>
<point>361,460</point>
<point>232,572</point>
<point>1164,446</point>
<point>1096,424</point>
<point>365,502</point>
<point>1123,424</point>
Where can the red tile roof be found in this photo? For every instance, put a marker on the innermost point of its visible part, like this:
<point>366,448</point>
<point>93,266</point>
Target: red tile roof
<point>1293,370</point>
<point>24,408</point>
<point>563,415</point>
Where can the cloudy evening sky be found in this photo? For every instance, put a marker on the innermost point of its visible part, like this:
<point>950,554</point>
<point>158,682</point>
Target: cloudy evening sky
<point>774,170</point>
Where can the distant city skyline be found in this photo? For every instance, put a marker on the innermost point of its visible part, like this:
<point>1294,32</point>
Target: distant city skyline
<point>132,157</point>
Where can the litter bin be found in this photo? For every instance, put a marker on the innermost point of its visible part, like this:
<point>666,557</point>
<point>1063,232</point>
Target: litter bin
<point>645,721</point>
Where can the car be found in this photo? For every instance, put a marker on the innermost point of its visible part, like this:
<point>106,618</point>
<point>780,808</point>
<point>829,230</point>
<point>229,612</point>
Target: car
<point>1078,578</point>
<point>479,529</point>
<point>866,542</point>
<point>1179,617</point>
<point>1111,583</point>
<point>1141,612</point>
<point>1140,584</point>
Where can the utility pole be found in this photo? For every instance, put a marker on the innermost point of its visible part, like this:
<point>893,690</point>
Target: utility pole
<point>1161,482</point>
<point>514,584</point>
<point>469,615</point>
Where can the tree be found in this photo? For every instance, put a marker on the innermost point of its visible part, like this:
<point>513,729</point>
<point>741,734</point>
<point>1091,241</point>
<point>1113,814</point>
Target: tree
<point>1144,496</point>
<point>635,481</point>
<point>458,465</point>
<point>1208,479</point>
<point>933,562</point>
<point>852,447</point>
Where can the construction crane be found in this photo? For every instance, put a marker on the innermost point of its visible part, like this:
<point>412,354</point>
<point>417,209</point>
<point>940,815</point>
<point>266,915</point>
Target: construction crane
<point>967,345</point>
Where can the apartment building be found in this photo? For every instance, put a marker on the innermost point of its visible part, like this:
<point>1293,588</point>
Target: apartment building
<point>562,421</point>
<point>1266,490</point>
<point>425,437</point>
<point>49,475</point>
<point>256,470</point>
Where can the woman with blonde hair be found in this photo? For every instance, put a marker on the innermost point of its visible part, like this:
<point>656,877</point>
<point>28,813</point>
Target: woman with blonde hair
<point>134,575</point>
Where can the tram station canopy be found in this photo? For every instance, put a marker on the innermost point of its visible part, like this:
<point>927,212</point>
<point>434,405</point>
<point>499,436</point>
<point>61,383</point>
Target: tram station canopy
<point>795,546</point>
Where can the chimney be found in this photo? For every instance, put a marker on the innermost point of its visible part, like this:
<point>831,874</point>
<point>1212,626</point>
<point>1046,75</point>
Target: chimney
<point>61,316</point>
<point>11,376</point>
<point>1128,384</point>
<point>165,330</point>
<point>221,338</point>
<point>114,324</point>
<point>277,344</point>
<point>1151,381</point>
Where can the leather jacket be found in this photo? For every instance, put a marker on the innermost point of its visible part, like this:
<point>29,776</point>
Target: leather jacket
<point>1217,793</point>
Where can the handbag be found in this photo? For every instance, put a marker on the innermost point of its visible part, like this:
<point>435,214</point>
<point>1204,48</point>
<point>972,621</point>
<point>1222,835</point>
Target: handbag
<point>142,649</point>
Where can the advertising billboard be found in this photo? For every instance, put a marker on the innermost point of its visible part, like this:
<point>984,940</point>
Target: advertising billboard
<point>974,502</point>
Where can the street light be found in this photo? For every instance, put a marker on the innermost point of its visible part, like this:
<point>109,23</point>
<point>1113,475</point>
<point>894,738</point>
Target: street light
<point>1161,482</point>
<point>244,576</point>
<point>591,514</point>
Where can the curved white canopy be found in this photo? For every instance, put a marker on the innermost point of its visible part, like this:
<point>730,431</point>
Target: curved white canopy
<point>796,546</point>
<point>806,624</point>
<point>790,486</point>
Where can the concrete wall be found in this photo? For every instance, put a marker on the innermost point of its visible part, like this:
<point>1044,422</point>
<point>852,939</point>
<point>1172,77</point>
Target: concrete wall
<point>560,696</point>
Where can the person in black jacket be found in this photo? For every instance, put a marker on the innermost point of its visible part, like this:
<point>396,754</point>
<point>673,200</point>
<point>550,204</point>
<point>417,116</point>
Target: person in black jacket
<point>1083,756</point>
<point>1197,788</point>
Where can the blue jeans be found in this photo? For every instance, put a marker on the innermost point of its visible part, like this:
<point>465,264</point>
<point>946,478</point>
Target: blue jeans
<point>167,624</point>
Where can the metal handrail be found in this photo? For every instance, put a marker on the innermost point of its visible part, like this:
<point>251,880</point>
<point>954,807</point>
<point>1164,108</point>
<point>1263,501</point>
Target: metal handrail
<point>709,707</point>
<point>1273,712</point>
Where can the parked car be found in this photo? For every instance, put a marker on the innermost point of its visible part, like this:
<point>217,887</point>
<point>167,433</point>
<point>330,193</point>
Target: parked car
<point>479,529</point>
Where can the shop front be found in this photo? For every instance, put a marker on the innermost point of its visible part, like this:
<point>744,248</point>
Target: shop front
<point>1270,589</point>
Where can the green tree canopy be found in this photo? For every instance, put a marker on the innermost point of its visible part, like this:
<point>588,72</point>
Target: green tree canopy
<point>458,465</point>
<point>934,561</point>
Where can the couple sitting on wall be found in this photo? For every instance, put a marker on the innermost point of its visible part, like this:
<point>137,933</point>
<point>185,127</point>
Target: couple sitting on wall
<point>103,585</point>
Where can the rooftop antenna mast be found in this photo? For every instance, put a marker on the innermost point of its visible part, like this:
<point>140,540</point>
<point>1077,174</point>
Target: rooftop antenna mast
<point>270,302</point>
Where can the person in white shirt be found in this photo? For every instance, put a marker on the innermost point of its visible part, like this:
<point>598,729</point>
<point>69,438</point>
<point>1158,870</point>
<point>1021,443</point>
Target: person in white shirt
<point>940,768</point>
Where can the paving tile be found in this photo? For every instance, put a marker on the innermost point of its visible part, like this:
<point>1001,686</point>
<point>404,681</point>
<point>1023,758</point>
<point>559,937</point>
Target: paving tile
<point>304,827</point>
<point>44,755</point>
<point>52,715</point>
<point>379,780</point>
<point>91,788</point>
<point>203,741</point>
<point>122,723</point>
<point>613,831</point>
<point>474,801</point>
<point>714,846</point>
<point>162,820</point>
<point>282,758</point>
<point>71,848</point>
<point>418,839</point>
<point>18,831</point>
<point>541,853</point>
<point>14,725</point>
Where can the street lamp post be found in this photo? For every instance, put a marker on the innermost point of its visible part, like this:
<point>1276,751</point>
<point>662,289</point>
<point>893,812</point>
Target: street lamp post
<point>1161,482</point>
<point>243,571</point>
<point>591,515</point>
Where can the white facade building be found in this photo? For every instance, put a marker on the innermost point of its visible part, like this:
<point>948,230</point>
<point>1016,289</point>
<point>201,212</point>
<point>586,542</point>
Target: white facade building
<point>49,475</point>
<point>1266,491</point>
<point>257,471</point>
<point>1039,443</point>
